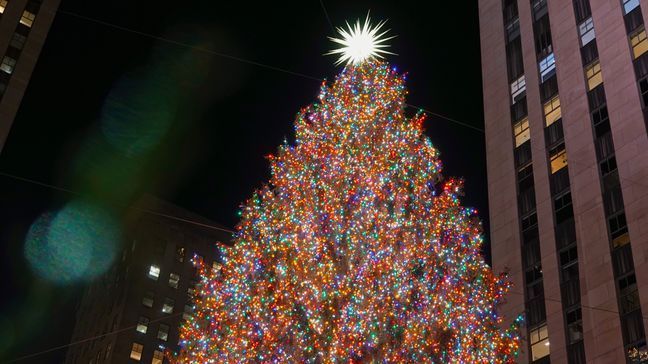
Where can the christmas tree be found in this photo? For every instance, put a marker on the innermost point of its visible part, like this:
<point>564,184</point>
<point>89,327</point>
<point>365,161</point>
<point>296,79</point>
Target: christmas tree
<point>357,250</point>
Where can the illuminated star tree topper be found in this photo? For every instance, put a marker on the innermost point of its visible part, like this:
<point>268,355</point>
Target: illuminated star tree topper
<point>361,42</point>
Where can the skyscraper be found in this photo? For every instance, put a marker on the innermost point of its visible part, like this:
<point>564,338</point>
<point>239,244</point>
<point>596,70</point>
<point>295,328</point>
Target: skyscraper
<point>133,312</point>
<point>566,104</point>
<point>24,25</point>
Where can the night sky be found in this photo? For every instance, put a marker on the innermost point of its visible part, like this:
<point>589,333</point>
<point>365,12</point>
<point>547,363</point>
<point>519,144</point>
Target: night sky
<point>204,122</point>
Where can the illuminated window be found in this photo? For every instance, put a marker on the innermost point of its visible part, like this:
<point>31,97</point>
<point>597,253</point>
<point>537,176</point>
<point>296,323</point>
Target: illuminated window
<point>552,110</point>
<point>558,161</point>
<point>18,41</point>
<point>27,18</point>
<point>629,5</point>
<point>163,332</point>
<point>547,67</point>
<point>521,131</point>
<point>173,280</point>
<point>517,88</point>
<point>154,272</point>
<point>216,266</point>
<point>8,65</point>
<point>594,76</point>
<point>180,254</point>
<point>3,5</point>
<point>167,307</point>
<point>586,30</point>
<point>539,339</point>
<point>193,286</point>
<point>188,310</point>
<point>147,300</point>
<point>639,43</point>
<point>158,357</point>
<point>136,351</point>
<point>142,325</point>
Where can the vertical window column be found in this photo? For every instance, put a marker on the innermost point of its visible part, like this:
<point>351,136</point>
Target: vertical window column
<point>530,244</point>
<point>620,248</point>
<point>18,40</point>
<point>638,41</point>
<point>564,228</point>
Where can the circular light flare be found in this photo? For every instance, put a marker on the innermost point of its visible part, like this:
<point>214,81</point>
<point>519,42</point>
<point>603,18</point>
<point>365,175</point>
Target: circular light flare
<point>361,42</point>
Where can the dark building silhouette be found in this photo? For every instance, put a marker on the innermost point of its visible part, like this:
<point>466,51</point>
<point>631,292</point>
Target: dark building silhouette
<point>24,25</point>
<point>133,312</point>
<point>565,102</point>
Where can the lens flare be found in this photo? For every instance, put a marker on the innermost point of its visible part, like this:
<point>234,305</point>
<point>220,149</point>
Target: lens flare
<point>77,243</point>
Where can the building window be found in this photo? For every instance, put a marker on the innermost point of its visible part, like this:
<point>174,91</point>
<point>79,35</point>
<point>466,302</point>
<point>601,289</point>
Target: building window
<point>552,111</point>
<point>193,286</point>
<point>216,266</point>
<point>558,161</point>
<point>586,31</point>
<point>539,8</point>
<point>575,325</point>
<point>3,5</point>
<point>570,289</point>
<point>521,131</point>
<point>148,298</point>
<point>514,60</point>
<point>630,301</point>
<point>582,10</point>
<point>536,308</point>
<point>629,5</point>
<point>142,325</point>
<point>136,351</point>
<point>554,134</point>
<point>163,332</point>
<point>18,41</point>
<point>622,260</point>
<point>522,155</point>
<point>542,31</point>
<point>618,226</point>
<point>594,76</point>
<point>539,339</point>
<point>174,279</point>
<point>27,18</point>
<point>632,325</point>
<point>180,254</point>
<point>639,43</point>
<point>154,272</point>
<point>8,65</point>
<point>167,307</point>
<point>518,87</point>
<point>158,357</point>
<point>188,310</point>
<point>547,67</point>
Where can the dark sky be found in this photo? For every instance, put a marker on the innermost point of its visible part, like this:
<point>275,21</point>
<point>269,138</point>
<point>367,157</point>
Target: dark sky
<point>210,120</point>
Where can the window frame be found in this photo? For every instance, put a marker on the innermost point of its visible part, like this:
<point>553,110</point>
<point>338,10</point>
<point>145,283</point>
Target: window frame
<point>552,110</point>
<point>538,338</point>
<point>593,75</point>
<point>136,354</point>
<point>142,322</point>
<point>638,42</point>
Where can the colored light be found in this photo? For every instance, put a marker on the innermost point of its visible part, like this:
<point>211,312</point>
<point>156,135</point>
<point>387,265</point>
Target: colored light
<point>357,250</point>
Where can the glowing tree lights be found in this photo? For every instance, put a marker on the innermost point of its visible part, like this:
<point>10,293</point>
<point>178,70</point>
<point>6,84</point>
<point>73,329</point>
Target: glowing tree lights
<point>357,250</point>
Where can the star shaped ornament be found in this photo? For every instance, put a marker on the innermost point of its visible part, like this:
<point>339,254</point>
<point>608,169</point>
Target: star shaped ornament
<point>361,42</point>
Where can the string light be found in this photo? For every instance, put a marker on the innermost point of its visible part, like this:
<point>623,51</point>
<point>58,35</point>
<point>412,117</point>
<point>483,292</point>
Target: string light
<point>357,250</point>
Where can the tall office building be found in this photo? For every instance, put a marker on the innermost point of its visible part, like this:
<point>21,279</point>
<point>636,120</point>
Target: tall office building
<point>133,312</point>
<point>566,103</point>
<point>24,25</point>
